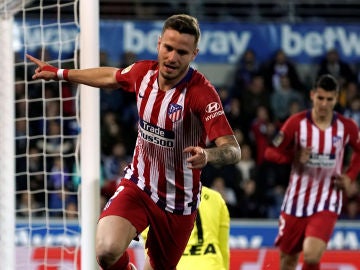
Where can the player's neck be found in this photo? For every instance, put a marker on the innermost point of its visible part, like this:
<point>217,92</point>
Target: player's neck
<point>322,122</point>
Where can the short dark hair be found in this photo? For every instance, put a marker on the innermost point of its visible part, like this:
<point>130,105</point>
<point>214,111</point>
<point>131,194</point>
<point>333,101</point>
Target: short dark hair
<point>184,24</point>
<point>327,82</point>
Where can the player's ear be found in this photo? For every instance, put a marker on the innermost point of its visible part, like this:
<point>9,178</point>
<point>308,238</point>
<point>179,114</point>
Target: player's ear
<point>312,93</point>
<point>195,53</point>
<point>158,43</point>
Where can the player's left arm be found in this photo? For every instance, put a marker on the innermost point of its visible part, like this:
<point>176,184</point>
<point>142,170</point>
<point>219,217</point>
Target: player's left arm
<point>354,141</point>
<point>227,151</point>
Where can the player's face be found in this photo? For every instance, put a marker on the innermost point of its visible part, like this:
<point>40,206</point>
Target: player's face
<point>323,102</point>
<point>175,53</point>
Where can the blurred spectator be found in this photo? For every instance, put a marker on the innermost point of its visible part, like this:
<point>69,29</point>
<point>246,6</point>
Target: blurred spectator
<point>348,92</point>
<point>351,207</point>
<point>21,106</point>
<point>239,135</point>
<point>332,64</point>
<point>277,67</point>
<point>227,193</point>
<point>28,206</point>
<point>71,209</point>
<point>251,204</point>
<point>129,115</point>
<point>233,114</point>
<point>295,107</point>
<point>224,96</point>
<point>21,144</point>
<point>115,163</point>
<point>282,99</point>
<point>246,69</point>
<point>54,142</point>
<point>111,132</point>
<point>353,111</point>
<point>110,99</point>
<point>35,169</point>
<point>21,135</point>
<point>254,96</point>
<point>247,163</point>
<point>60,188</point>
<point>262,131</point>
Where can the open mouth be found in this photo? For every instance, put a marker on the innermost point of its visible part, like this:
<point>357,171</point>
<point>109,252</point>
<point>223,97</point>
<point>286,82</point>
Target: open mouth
<point>169,67</point>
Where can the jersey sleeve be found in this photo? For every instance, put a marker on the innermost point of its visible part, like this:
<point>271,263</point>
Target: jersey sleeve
<point>208,106</point>
<point>129,76</point>
<point>354,141</point>
<point>282,149</point>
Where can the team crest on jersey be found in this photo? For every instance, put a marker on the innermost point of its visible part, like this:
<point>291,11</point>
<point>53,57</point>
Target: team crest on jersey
<point>336,141</point>
<point>127,69</point>
<point>175,112</point>
<point>278,139</point>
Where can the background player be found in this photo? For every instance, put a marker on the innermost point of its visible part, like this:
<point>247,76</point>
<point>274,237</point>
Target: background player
<point>314,141</point>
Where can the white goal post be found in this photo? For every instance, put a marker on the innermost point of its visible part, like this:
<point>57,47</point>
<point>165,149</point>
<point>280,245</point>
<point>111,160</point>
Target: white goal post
<point>89,189</point>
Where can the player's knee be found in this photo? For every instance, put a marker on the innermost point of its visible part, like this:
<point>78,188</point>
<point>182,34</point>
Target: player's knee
<point>312,257</point>
<point>107,253</point>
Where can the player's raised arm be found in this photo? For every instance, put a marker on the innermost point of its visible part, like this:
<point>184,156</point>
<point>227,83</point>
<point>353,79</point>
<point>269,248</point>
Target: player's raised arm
<point>102,77</point>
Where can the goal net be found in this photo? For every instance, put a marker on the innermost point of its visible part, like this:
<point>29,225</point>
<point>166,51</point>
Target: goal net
<point>44,230</point>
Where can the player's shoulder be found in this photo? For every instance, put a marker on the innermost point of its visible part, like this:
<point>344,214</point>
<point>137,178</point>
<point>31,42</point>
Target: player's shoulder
<point>295,118</point>
<point>199,80</point>
<point>139,67</point>
<point>343,118</point>
<point>146,64</point>
<point>300,115</point>
<point>347,121</point>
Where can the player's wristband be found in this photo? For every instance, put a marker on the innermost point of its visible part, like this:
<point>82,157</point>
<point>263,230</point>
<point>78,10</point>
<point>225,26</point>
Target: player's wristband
<point>61,74</point>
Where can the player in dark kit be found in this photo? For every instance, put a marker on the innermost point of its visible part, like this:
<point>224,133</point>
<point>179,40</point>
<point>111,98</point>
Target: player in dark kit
<point>179,114</point>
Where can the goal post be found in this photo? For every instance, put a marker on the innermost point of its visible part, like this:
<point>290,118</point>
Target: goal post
<point>90,132</point>
<point>7,171</point>
<point>45,237</point>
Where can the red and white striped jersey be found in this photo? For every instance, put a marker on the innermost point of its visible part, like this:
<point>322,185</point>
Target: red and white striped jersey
<point>190,114</point>
<point>311,188</point>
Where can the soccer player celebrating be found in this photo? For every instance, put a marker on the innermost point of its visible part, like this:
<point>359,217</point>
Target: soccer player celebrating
<point>314,142</point>
<point>179,112</point>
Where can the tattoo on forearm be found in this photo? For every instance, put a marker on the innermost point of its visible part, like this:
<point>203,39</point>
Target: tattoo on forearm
<point>224,155</point>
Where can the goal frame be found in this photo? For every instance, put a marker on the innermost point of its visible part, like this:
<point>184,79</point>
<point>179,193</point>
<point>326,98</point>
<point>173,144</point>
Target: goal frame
<point>89,135</point>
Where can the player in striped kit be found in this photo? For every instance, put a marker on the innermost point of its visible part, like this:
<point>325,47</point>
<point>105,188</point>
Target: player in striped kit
<point>179,114</point>
<point>314,141</point>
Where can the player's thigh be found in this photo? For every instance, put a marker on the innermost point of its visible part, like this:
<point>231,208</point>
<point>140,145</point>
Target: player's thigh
<point>318,232</point>
<point>313,249</point>
<point>114,234</point>
<point>123,214</point>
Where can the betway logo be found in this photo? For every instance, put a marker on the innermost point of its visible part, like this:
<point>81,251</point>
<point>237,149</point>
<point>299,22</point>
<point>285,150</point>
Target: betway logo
<point>317,43</point>
<point>229,43</point>
<point>234,43</point>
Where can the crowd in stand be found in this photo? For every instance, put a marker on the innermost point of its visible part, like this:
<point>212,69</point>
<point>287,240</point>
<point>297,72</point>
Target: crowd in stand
<point>257,102</point>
